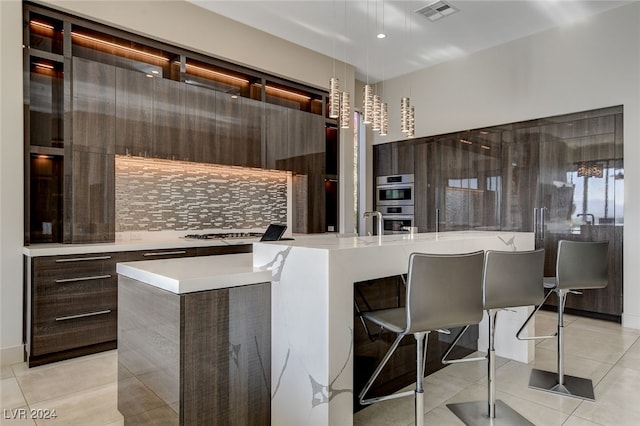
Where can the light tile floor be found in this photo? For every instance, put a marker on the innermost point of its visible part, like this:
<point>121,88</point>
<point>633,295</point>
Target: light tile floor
<point>83,391</point>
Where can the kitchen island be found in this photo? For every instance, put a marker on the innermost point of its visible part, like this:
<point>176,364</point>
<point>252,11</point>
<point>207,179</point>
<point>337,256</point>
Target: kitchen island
<point>310,369</point>
<point>194,341</point>
<point>312,312</point>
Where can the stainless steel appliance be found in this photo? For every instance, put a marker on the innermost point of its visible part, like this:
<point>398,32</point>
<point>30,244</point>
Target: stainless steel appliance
<point>396,218</point>
<point>395,200</point>
<point>396,190</point>
<point>223,236</point>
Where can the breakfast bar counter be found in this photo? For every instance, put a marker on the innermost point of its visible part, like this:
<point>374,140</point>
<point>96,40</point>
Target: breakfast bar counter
<point>312,312</point>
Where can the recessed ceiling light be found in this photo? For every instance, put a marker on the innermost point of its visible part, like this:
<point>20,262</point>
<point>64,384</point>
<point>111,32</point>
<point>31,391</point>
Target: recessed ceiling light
<point>155,72</point>
<point>381,35</point>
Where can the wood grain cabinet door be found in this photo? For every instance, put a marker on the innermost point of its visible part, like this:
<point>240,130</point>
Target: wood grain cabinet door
<point>134,113</point>
<point>276,137</point>
<point>94,106</point>
<point>200,105</point>
<point>169,140</point>
<point>90,170</point>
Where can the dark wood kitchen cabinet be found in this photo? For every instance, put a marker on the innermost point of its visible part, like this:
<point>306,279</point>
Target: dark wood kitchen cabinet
<point>393,158</point>
<point>277,139</point>
<point>169,121</point>
<point>201,123</point>
<point>89,214</point>
<point>134,113</point>
<point>238,131</point>
<point>72,300</point>
<point>94,106</point>
<point>73,305</point>
<point>568,169</point>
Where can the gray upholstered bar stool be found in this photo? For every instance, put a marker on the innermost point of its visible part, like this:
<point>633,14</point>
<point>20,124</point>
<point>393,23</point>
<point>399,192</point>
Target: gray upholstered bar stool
<point>443,291</point>
<point>511,279</point>
<point>580,265</point>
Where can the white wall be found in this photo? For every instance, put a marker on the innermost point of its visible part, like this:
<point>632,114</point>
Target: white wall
<point>175,22</point>
<point>589,65</point>
<point>11,189</point>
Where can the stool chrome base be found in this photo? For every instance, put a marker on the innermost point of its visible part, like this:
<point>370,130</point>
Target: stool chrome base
<point>576,387</point>
<point>476,414</point>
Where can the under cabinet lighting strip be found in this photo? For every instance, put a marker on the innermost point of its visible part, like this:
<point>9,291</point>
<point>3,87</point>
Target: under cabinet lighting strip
<point>90,314</point>
<point>118,46</point>
<point>220,74</point>
<point>43,66</point>
<point>276,89</point>
<point>42,25</point>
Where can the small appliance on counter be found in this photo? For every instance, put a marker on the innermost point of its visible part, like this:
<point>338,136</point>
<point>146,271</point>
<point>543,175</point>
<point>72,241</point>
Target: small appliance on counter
<point>274,232</point>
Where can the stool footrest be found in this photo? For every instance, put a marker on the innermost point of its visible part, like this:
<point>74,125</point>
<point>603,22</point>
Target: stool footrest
<point>576,387</point>
<point>476,414</point>
<point>387,397</point>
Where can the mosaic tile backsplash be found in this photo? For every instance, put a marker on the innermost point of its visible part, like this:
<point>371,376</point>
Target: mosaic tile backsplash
<point>154,195</point>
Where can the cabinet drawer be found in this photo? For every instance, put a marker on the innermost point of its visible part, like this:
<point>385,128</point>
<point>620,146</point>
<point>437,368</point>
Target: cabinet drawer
<point>70,332</point>
<point>61,299</point>
<point>69,268</point>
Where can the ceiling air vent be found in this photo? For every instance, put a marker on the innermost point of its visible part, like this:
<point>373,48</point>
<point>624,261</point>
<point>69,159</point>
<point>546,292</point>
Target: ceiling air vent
<point>436,10</point>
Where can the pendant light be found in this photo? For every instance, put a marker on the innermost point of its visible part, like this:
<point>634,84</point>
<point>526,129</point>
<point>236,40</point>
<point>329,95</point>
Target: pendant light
<point>411,123</point>
<point>404,114</point>
<point>407,112</point>
<point>345,97</point>
<point>384,119</point>
<point>334,97</point>
<point>345,110</point>
<point>367,104</point>
<point>375,123</point>
<point>334,83</point>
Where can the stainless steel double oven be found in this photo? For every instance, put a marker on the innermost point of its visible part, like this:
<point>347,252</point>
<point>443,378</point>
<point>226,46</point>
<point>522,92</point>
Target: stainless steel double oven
<point>395,200</point>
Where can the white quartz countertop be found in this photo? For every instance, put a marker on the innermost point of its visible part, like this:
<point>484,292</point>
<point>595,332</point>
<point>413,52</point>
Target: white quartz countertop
<point>189,274</point>
<point>337,242</point>
<point>129,245</point>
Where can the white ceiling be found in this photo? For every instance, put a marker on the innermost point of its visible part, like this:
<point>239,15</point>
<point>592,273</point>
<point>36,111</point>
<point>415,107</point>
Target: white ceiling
<point>346,29</point>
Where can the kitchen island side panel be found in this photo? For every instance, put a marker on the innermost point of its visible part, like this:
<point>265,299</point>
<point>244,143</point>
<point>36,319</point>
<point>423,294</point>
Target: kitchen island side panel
<point>194,358</point>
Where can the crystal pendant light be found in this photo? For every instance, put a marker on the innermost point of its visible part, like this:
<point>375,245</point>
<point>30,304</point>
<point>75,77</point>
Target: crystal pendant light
<point>367,104</point>
<point>375,124</point>
<point>334,97</point>
<point>345,110</point>
<point>404,114</point>
<point>384,119</point>
<point>411,123</point>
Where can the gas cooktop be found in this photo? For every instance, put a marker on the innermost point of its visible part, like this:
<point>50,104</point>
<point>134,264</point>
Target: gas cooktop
<point>223,236</point>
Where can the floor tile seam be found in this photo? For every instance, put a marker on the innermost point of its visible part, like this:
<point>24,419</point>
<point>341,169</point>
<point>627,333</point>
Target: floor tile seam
<point>24,397</point>
<point>582,418</point>
<point>581,356</point>
<point>70,394</point>
<point>603,332</point>
<point>63,363</point>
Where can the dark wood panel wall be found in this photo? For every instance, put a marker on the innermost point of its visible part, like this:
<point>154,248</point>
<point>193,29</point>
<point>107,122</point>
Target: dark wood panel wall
<point>118,112</point>
<point>493,179</point>
<point>91,102</point>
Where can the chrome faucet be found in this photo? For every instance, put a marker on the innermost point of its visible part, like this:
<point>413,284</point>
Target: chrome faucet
<point>586,216</point>
<point>380,221</point>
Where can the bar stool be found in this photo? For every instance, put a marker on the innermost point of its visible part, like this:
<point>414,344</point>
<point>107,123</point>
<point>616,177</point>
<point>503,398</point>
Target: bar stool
<point>443,291</point>
<point>580,265</point>
<point>510,279</point>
